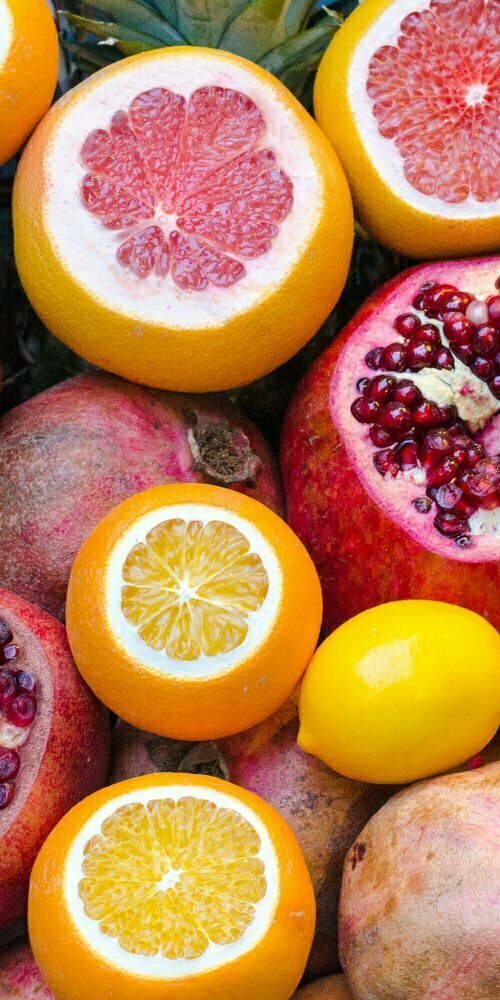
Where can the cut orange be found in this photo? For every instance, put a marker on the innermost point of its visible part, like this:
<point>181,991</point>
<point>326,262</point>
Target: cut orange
<point>409,95</point>
<point>193,611</point>
<point>181,220</point>
<point>171,887</point>
<point>29,58</point>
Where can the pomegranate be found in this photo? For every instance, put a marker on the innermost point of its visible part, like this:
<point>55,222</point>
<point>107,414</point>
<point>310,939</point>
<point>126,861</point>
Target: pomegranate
<point>73,452</point>
<point>54,742</point>
<point>390,447</point>
<point>20,977</point>
<point>419,916</point>
<point>325,810</point>
<point>331,988</point>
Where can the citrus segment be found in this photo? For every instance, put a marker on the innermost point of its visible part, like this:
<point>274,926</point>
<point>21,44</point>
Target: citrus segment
<point>190,587</point>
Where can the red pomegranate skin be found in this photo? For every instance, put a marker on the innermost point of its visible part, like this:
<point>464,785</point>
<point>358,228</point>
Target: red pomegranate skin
<point>70,454</point>
<point>420,904</point>
<point>362,556</point>
<point>20,977</point>
<point>325,810</point>
<point>65,759</point>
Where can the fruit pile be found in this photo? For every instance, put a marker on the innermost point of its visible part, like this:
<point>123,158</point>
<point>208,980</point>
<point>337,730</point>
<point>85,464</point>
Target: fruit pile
<point>249,710</point>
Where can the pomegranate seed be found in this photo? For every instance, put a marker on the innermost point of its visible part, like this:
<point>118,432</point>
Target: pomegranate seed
<point>464,352</point>
<point>419,300</point>
<point>483,368</point>
<point>457,430</point>
<point>384,462</point>
<point>477,312</point>
<point>5,633</point>
<point>9,764</point>
<point>492,501</point>
<point>363,384</point>
<point>486,341</point>
<point>457,328</point>
<point>456,301</point>
<point>448,496</point>
<point>6,794</point>
<point>444,472</point>
<point>8,652</point>
<point>426,414</point>
<point>380,437</point>
<point>365,410</point>
<point>406,324</point>
<point>374,358</point>
<point>427,334</point>
<point>437,442</point>
<point>459,453</point>
<point>420,356</point>
<point>493,304</point>
<point>490,466</point>
<point>444,359</point>
<point>427,284</point>
<point>465,508</point>
<point>475,452</point>
<point>408,393</point>
<point>394,358</point>
<point>422,504</point>
<point>396,417</point>
<point>495,386</point>
<point>475,485</point>
<point>449,524</point>
<point>448,414</point>
<point>25,683</point>
<point>407,455</point>
<point>7,689</point>
<point>382,388</point>
<point>463,541</point>
<point>436,296</point>
<point>22,711</point>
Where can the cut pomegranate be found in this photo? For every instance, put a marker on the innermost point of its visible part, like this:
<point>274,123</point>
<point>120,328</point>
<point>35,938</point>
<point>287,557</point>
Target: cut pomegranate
<point>360,478</point>
<point>199,162</point>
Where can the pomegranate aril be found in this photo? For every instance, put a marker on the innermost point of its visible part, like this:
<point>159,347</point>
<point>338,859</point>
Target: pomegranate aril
<point>8,652</point>
<point>385,463</point>
<point>22,711</point>
<point>456,301</point>
<point>436,444</point>
<point>365,410</point>
<point>494,386</point>
<point>407,455</point>
<point>25,683</point>
<point>9,764</point>
<point>420,356</point>
<point>486,341</point>
<point>475,484</point>
<point>477,312</point>
<point>7,689</point>
<point>483,368</point>
<point>463,541</point>
<point>406,324</point>
<point>457,328</point>
<point>443,472</point>
<point>427,334</point>
<point>380,437</point>
<point>464,352</point>
<point>435,298</point>
<point>408,393</point>
<point>363,384</point>
<point>490,466</point>
<point>475,452</point>
<point>395,358</point>
<point>448,415</point>
<point>382,388</point>
<point>395,417</point>
<point>426,414</point>
<point>464,508</point>
<point>444,359</point>
<point>5,633</point>
<point>449,524</point>
<point>6,794</point>
<point>493,304</point>
<point>419,300</point>
<point>422,504</point>
<point>448,496</point>
<point>374,358</point>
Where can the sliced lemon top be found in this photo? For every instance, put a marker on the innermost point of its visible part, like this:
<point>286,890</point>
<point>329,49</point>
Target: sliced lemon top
<point>172,880</point>
<point>192,589</point>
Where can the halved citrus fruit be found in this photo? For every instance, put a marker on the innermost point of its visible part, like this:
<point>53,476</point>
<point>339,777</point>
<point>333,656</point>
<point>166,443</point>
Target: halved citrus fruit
<point>29,59</point>
<point>181,220</point>
<point>193,611</point>
<point>409,95</point>
<point>171,886</point>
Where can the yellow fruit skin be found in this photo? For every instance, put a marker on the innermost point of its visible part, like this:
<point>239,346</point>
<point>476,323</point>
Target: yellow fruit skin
<point>194,709</point>
<point>271,970</point>
<point>402,691</point>
<point>185,359</point>
<point>387,217</point>
<point>28,76</point>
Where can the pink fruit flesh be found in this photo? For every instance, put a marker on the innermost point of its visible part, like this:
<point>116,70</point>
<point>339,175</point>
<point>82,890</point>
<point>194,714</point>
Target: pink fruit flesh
<point>441,113</point>
<point>20,977</point>
<point>94,440</point>
<point>198,161</point>
<point>400,498</point>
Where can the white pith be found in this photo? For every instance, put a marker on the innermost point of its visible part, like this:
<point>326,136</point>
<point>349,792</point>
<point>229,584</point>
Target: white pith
<point>88,249</point>
<point>385,30</point>
<point>397,499</point>
<point>157,966</point>
<point>260,622</point>
<point>6,28</point>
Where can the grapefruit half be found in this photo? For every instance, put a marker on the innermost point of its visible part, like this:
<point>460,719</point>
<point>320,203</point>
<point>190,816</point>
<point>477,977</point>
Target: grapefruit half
<point>181,220</point>
<point>409,95</point>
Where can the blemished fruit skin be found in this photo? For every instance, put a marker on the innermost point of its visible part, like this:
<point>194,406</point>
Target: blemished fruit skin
<point>387,217</point>
<point>272,968</point>
<point>28,77</point>
<point>325,811</point>
<point>225,354</point>
<point>419,914</point>
<point>73,452</point>
<point>20,977</point>
<point>74,751</point>
<point>362,554</point>
<point>331,988</point>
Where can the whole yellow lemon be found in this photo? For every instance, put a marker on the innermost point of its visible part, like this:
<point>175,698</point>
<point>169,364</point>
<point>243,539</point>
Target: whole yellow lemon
<point>402,691</point>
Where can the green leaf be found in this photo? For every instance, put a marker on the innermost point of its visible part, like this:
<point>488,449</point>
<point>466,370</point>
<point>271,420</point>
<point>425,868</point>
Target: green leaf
<point>109,29</point>
<point>167,9</point>
<point>203,22</point>
<point>139,17</point>
<point>93,56</point>
<point>263,24</point>
<point>299,49</point>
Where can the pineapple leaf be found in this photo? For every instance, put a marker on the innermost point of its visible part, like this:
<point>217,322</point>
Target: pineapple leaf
<point>92,56</point>
<point>167,9</point>
<point>309,45</point>
<point>139,16</point>
<point>110,30</point>
<point>203,22</point>
<point>261,26</point>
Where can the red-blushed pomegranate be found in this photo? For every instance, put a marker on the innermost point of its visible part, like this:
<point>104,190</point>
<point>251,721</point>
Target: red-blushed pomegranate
<point>420,904</point>
<point>54,742</point>
<point>390,450</point>
<point>20,977</point>
<point>75,451</point>
<point>325,810</point>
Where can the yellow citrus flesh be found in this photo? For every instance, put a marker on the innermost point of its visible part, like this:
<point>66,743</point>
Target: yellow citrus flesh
<point>189,587</point>
<point>171,886</point>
